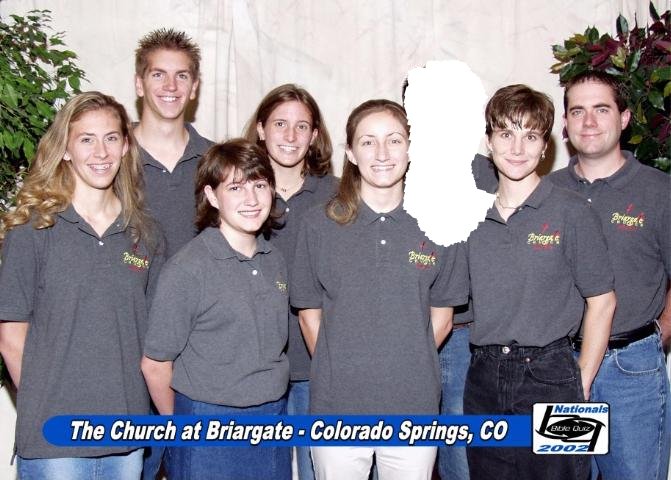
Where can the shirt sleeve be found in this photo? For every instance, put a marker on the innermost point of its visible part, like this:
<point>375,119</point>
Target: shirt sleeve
<point>173,311</point>
<point>587,254</point>
<point>19,273</point>
<point>305,290</point>
<point>451,286</point>
<point>664,236</point>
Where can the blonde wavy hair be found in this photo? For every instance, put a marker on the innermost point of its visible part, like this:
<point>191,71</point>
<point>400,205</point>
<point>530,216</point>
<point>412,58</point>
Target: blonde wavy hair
<point>50,183</point>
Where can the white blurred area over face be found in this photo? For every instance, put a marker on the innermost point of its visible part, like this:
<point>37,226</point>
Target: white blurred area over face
<point>445,104</point>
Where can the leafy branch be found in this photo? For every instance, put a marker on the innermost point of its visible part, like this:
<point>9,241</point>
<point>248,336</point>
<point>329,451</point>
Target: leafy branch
<point>641,59</point>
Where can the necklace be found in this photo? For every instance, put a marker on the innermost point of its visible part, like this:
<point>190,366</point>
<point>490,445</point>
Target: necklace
<point>507,207</point>
<point>293,187</point>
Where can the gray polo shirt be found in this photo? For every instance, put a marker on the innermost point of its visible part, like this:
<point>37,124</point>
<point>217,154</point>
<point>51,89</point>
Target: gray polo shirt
<point>315,191</point>
<point>170,196</point>
<point>84,297</point>
<point>634,206</point>
<point>222,318</point>
<point>375,281</point>
<point>530,275</point>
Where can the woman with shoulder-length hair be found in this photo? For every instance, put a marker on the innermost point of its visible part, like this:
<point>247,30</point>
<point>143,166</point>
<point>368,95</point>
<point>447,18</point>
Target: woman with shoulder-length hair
<point>376,298</point>
<point>218,324</point>
<point>537,262</point>
<point>78,256</point>
<point>288,125</point>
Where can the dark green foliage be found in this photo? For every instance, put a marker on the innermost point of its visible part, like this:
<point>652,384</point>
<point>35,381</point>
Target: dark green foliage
<point>37,75</point>
<point>641,59</point>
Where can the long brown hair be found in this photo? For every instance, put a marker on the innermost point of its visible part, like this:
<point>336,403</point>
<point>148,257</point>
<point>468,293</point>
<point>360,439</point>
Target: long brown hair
<point>50,183</point>
<point>344,207</point>
<point>318,157</point>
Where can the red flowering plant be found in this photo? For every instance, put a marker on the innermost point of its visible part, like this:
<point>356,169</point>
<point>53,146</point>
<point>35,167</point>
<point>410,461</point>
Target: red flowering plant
<point>641,59</point>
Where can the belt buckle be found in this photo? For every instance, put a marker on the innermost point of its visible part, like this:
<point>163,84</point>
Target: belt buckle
<point>505,349</point>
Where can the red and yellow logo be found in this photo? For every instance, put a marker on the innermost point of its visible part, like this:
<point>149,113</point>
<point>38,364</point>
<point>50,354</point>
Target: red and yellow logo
<point>421,259</point>
<point>544,240</point>
<point>628,221</point>
<point>134,261</point>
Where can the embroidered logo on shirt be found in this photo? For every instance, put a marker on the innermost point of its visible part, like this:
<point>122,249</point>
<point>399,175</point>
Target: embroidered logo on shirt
<point>627,221</point>
<point>544,240</point>
<point>134,261</point>
<point>421,259</point>
<point>281,286</point>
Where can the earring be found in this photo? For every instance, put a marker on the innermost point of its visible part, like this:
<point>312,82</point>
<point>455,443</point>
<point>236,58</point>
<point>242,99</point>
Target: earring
<point>66,157</point>
<point>542,156</point>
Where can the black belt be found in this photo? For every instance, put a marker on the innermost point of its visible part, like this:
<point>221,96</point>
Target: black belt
<point>623,339</point>
<point>459,326</point>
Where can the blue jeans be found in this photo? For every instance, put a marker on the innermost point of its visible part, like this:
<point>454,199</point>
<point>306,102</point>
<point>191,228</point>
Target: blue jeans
<point>235,463</point>
<point>110,467</point>
<point>454,358</point>
<point>298,403</point>
<point>509,381</point>
<point>153,457</point>
<point>633,381</point>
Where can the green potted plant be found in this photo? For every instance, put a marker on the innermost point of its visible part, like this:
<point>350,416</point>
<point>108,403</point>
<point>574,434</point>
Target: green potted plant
<point>641,58</point>
<point>37,75</point>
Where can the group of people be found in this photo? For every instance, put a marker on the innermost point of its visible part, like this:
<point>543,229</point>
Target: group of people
<point>145,262</point>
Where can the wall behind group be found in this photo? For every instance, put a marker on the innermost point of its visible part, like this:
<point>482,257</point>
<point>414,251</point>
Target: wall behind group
<point>343,52</point>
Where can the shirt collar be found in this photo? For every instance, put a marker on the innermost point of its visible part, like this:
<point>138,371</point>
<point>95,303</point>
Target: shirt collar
<point>366,215</point>
<point>534,200</point>
<point>195,146</point>
<point>70,215</point>
<point>619,179</point>
<point>310,183</point>
<point>221,249</point>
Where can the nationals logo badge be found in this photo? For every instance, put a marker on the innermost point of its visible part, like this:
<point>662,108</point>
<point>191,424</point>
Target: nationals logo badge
<point>570,428</point>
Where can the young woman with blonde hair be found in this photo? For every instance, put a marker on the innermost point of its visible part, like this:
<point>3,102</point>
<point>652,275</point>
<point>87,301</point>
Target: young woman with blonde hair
<point>79,255</point>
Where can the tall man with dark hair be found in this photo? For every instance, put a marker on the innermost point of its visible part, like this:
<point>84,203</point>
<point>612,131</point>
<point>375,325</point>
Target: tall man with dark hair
<point>167,72</point>
<point>634,204</point>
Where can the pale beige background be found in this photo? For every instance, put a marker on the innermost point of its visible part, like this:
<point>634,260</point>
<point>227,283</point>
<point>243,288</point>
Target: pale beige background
<point>342,51</point>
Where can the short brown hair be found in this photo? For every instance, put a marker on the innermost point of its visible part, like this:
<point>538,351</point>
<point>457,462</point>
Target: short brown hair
<point>318,157</point>
<point>237,155</point>
<point>344,207</point>
<point>166,39</point>
<point>521,107</point>
<point>598,77</point>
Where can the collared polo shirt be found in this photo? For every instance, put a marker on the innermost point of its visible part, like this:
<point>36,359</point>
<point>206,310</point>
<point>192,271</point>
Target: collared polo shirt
<point>84,297</point>
<point>170,196</point>
<point>375,280</point>
<point>222,318</point>
<point>531,273</point>
<point>634,206</point>
<point>315,191</point>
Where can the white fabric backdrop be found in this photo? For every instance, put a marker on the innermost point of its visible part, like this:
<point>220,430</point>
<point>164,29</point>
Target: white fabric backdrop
<point>342,51</point>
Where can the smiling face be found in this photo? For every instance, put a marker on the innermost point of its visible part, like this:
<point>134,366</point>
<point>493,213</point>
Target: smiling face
<point>516,151</point>
<point>593,121</point>
<point>288,134</point>
<point>167,84</point>
<point>244,205</point>
<point>95,148</point>
<point>380,150</point>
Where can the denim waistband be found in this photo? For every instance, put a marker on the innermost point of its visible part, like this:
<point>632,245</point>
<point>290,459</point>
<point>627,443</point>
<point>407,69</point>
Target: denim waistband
<point>514,350</point>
